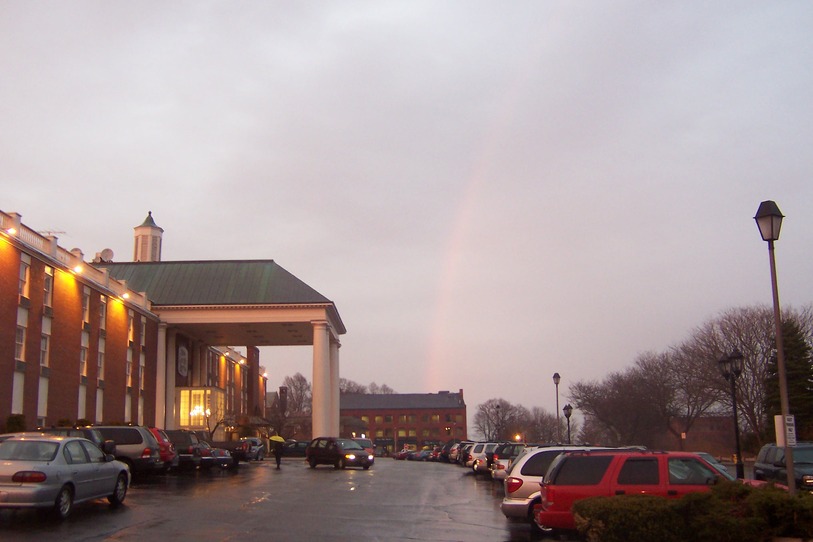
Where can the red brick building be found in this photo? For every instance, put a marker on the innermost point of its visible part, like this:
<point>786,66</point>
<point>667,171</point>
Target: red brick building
<point>396,420</point>
<point>144,342</point>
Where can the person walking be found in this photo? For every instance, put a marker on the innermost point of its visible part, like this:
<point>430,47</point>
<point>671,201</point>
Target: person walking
<point>278,444</point>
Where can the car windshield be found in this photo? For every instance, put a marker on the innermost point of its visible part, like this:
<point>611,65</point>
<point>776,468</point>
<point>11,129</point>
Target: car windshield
<point>28,450</point>
<point>365,442</point>
<point>348,444</point>
<point>803,455</point>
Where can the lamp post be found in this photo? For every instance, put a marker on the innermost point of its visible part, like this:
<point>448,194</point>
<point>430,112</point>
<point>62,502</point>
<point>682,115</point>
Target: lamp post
<point>731,369</point>
<point>769,221</point>
<point>568,410</point>
<point>556,379</point>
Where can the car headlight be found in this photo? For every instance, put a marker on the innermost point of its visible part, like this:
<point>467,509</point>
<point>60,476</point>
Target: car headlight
<point>370,457</point>
<point>351,457</point>
<point>807,479</point>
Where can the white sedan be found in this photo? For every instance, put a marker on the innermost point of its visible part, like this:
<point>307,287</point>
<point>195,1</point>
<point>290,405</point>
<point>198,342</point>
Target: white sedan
<point>56,472</point>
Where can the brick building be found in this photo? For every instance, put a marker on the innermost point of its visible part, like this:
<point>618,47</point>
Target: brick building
<point>396,420</point>
<point>142,342</point>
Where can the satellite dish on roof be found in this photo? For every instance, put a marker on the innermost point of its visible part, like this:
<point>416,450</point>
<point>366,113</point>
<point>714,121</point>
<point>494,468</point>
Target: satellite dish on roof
<point>106,255</point>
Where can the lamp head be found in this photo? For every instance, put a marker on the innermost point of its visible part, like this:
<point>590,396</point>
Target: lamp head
<point>568,410</point>
<point>556,378</point>
<point>769,220</point>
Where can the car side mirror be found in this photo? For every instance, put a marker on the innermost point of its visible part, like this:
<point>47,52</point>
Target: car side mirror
<point>108,458</point>
<point>109,447</point>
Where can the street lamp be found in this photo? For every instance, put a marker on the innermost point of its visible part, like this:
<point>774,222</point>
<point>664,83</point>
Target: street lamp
<point>769,221</point>
<point>568,410</point>
<point>731,369</point>
<point>556,379</point>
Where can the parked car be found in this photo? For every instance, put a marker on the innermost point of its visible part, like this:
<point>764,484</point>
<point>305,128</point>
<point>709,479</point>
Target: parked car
<point>90,433</point>
<point>501,458</point>
<point>294,448</point>
<point>135,446</point>
<point>56,472</point>
<point>480,457</point>
<point>252,448</point>
<point>165,448</point>
<point>577,475</point>
<point>216,457</point>
<point>521,484</point>
<point>719,467</point>
<point>339,452</point>
<point>188,446</point>
<point>465,453</point>
<point>770,465</point>
<point>403,454</point>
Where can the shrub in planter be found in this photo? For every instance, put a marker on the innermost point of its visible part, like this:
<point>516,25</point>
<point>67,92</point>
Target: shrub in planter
<point>721,515</point>
<point>628,518</point>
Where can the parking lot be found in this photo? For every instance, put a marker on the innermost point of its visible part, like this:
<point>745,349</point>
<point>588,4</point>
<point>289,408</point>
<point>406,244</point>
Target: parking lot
<point>394,500</point>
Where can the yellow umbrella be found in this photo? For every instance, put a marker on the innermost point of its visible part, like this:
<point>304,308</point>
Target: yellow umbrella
<point>277,438</point>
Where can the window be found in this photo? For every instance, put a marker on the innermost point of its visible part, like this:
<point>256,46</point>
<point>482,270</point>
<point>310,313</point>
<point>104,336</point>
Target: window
<point>581,470</point>
<point>49,286</point>
<point>689,471</point>
<point>102,312</point>
<point>435,418</point>
<point>86,305</point>
<point>25,270</point>
<point>387,419</point>
<point>639,471</point>
<point>100,360</point>
<point>74,453</point>
<point>379,419</point>
<point>45,343</point>
<point>130,326</point>
<point>143,332</point>
<point>402,418</point>
<point>83,354</point>
<point>365,419</point>
<point>142,364</point>
<point>128,368</point>
<point>22,330</point>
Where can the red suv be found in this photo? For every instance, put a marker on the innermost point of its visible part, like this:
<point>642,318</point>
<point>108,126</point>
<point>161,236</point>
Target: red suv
<point>165,448</point>
<point>577,475</point>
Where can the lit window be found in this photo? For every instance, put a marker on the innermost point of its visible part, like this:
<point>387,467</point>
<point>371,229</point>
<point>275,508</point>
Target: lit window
<point>86,305</point>
<point>83,354</point>
<point>143,331</point>
<point>129,367</point>
<point>49,286</point>
<point>100,360</point>
<point>45,343</point>
<point>102,312</point>
<point>130,326</point>
<point>22,331</point>
<point>142,365</point>
<point>25,270</point>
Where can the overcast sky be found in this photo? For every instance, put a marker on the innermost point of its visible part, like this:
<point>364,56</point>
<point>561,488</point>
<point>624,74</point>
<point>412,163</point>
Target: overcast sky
<point>490,192</point>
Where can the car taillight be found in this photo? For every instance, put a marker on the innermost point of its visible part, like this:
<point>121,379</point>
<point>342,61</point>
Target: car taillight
<point>147,453</point>
<point>512,484</point>
<point>28,477</point>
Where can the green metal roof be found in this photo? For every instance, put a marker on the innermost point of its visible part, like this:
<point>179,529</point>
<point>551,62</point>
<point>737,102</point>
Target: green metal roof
<point>238,282</point>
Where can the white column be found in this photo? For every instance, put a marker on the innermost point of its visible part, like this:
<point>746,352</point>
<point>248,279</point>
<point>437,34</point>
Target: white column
<point>161,378</point>
<point>334,388</point>
<point>321,397</point>
<point>169,395</point>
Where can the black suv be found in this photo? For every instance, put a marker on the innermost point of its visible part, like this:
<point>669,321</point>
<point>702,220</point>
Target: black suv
<point>188,446</point>
<point>770,465</point>
<point>339,452</point>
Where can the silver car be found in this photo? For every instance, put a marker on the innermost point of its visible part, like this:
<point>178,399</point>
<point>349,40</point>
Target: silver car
<point>56,472</point>
<point>522,489</point>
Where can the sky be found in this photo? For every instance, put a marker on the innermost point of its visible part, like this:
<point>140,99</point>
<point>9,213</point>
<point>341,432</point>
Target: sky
<point>490,192</point>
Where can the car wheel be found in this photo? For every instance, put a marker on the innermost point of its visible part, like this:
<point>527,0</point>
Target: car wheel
<point>312,463</point>
<point>120,491</point>
<point>64,502</point>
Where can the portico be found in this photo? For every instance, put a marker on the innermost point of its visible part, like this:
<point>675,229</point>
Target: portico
<point>252,303</point>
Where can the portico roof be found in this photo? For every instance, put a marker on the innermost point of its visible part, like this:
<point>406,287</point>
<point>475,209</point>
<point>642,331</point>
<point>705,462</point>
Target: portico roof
<point>231,302</point>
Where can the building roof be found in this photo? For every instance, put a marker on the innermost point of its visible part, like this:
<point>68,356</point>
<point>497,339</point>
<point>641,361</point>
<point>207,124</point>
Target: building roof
<point>236,282</point>
<point>396,401</point>
<point>149,222</point>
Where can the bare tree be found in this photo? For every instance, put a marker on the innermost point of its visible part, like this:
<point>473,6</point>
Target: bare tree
<point>299,394</point>
<point>348,386</point>
<point>383,389</point>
